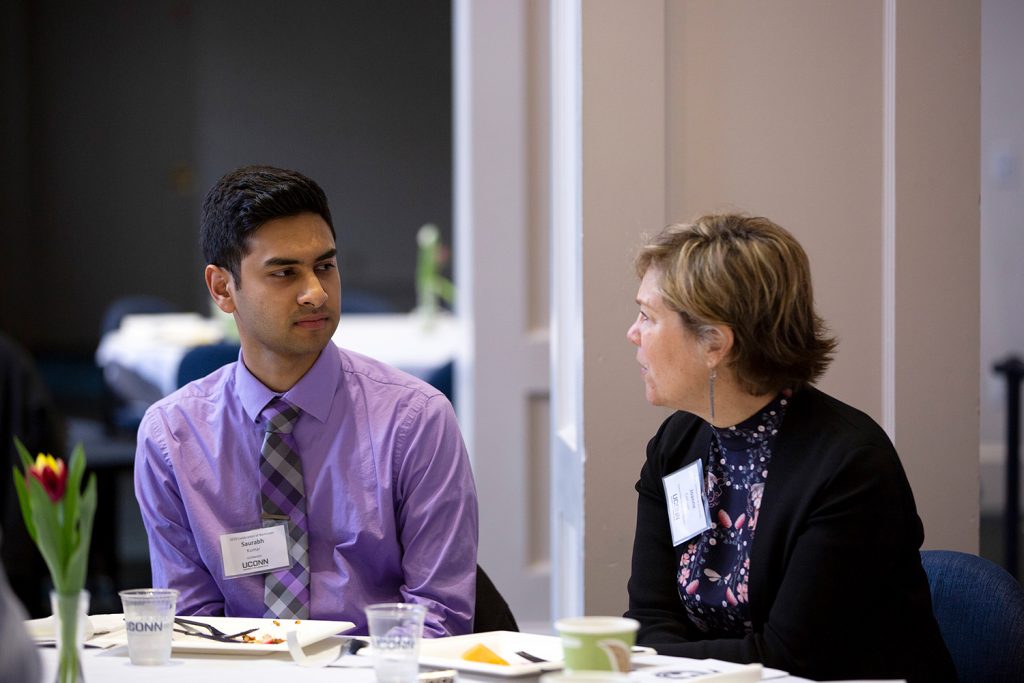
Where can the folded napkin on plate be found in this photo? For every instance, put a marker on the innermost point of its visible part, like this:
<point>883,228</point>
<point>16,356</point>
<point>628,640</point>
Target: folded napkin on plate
<point>43,631</point>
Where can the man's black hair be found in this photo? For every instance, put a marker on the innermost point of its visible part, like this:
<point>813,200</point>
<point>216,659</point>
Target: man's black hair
<point>245,199</point>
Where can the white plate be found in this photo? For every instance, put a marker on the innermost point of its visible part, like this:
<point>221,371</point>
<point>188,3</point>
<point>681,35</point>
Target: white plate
<point>447,653</point>
<point>309,631</point>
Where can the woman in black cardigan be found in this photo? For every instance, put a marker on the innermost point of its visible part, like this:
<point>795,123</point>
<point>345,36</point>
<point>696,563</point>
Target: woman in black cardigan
<point>817,572</point>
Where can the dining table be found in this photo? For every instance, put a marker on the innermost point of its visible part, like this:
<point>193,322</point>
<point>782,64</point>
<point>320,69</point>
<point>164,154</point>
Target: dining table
<point>112,665</point>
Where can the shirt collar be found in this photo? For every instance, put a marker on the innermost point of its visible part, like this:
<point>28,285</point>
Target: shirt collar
<point>312,394</point>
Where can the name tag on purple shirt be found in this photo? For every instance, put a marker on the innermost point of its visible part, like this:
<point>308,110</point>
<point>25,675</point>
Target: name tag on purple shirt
<point>255,552</point>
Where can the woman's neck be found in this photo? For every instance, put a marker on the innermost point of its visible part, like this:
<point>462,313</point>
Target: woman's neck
<point>733,404</point>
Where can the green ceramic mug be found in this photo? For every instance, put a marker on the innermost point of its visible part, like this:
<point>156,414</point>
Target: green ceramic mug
<point>597,643</point>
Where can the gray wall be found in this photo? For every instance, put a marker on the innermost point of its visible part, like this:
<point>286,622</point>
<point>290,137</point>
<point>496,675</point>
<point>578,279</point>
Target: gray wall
<point>117,116</point>
<point>1002,229</point>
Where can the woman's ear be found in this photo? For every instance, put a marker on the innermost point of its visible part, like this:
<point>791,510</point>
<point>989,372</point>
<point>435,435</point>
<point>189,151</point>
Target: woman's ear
<point>220,282</point>
<point>717,341</point>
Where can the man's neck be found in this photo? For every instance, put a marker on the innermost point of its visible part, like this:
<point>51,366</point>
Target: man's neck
<point>276,373</point>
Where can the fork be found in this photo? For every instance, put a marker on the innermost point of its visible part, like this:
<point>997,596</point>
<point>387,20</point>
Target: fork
<point>215,633</point>
<point>531,658</point>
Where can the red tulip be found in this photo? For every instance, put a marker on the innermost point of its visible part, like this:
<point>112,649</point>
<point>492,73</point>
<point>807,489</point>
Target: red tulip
<point>52,474</point>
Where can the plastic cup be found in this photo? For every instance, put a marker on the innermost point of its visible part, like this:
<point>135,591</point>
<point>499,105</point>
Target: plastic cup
<point>597,643</point>
<point>149,620</point>
<point>395,632</point>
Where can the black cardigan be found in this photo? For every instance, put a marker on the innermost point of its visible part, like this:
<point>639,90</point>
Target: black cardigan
<point>836,585</point>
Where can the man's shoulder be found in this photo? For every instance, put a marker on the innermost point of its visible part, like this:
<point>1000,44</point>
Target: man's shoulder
<point>213,389</point>
<point>378,377</point>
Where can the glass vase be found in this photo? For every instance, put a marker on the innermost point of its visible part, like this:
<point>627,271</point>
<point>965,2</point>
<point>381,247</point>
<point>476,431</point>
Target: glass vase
<point>69,613</point>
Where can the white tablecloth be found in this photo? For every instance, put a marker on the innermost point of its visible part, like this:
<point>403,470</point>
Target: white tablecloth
<point>113,666</point>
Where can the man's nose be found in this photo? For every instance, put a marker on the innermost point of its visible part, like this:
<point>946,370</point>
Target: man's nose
<point>313,292</point>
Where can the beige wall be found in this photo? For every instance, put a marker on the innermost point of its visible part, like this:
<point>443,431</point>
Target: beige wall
<point>937,286</point>
<point>624,154</point>
<point>853,124</point>
<point>786,122</point>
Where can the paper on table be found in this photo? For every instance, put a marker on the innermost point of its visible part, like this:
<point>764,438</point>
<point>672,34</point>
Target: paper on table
<point>43,631</point>
<point>326,653</point>
<point>656,668</point>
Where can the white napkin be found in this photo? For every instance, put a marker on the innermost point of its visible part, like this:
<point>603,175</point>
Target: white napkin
<point>44,631</point>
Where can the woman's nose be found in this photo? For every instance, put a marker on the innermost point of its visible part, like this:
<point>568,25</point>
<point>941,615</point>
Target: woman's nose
<point>632,334</point>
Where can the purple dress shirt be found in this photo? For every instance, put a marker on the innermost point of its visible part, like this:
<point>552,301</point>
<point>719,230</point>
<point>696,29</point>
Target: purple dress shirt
<point>389,491</point>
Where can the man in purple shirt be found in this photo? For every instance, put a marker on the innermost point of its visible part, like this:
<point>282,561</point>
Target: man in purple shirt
<point>390,504</point>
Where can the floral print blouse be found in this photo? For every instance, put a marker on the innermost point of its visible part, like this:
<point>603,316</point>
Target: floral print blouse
<point>715,566</point>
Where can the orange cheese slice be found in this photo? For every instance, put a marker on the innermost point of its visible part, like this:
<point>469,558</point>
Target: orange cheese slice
<point>482,653</point>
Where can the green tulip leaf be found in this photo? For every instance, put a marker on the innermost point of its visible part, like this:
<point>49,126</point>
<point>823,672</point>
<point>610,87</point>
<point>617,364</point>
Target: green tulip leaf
<point>23,501</point>
<point>26,458</point>
<point>79,560</point>
<point>44,515</point>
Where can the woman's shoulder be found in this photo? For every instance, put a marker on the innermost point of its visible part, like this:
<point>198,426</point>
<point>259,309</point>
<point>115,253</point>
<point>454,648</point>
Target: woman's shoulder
<point>813,414</point>
<point>822,434</point>
<point>673,444</point>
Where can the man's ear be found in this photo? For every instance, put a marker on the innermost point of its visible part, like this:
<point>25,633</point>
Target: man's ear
<point>717,341</point>
<point>220,282</point>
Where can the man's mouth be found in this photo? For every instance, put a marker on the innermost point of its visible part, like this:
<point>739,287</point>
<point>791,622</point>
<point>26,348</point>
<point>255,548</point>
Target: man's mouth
<point>314,322</point>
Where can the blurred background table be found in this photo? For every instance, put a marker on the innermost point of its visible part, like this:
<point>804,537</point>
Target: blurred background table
<point>141,359</point>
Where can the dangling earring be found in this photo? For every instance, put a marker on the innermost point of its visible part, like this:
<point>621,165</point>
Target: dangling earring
<point>711,391</point>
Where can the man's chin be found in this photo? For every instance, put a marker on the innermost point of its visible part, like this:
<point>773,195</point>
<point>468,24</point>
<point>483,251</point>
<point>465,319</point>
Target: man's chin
<point>310,342</point>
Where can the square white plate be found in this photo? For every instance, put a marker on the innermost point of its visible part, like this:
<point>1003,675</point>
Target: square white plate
<point>309,631</point>
<point>446,653</point>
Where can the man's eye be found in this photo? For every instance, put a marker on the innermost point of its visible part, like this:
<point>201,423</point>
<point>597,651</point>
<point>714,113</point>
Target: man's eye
<point>327,266</point>
<point>281,273</point>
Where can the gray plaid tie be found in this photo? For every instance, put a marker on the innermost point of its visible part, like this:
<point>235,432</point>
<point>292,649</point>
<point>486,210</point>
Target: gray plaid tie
<point>285,591</point>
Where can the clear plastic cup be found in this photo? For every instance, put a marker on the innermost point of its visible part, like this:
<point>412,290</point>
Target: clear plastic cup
<point>395,632</point>
<point>149,620</point>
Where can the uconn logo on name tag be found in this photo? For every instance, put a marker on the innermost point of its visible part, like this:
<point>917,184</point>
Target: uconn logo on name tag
<point>687,502</point>
<point>255,552</point>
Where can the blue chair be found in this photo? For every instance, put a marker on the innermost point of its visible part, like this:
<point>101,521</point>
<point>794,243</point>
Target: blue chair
<point>354,300</point>
<point>202,360</point>
<point>442,378</point>
<point>131,305</point>
<point>980,610</point>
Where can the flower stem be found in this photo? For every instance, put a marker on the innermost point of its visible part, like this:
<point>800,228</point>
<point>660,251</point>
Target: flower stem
<point>68,612</point>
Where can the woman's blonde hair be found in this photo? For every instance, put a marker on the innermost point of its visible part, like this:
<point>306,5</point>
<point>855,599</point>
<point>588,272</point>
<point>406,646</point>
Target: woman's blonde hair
<point>752,275</point>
